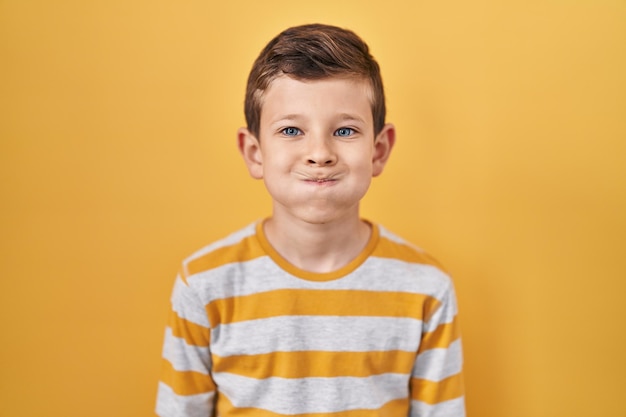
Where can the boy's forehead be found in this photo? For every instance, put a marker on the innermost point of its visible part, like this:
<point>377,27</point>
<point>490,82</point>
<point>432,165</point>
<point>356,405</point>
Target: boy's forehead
<point>356,80</point>
<point>286,91</point>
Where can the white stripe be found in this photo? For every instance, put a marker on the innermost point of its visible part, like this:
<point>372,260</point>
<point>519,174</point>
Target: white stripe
<point>229,240</point>
<point>386,234</point>
<point>451,408</point>
<point>323,395</point>
<point>438,364</point>
<point>185,357</point>
<point>397,275</point>
<point>187,305</point>
<point>262,274</point>
<point>446,313</point>
<point>169,404</point>
<point>304,333</point>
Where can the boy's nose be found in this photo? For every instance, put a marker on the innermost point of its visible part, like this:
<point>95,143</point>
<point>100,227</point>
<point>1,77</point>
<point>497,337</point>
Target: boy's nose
<point>321,153</point>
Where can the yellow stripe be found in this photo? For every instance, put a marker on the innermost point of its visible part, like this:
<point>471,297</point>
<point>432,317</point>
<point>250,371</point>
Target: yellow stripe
<point>398,407</point>
<point>316,364</point>
<point>441,337</point>
<point>294,302</point>
<point>387,248</point>
<point>431,392</point>
<point>193,334</point>
<point>245,250</point>
<point>185,382</point>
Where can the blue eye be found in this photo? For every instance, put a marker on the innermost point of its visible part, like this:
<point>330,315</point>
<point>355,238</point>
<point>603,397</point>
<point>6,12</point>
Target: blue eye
<point>344,131</point>
<point>291,131</point>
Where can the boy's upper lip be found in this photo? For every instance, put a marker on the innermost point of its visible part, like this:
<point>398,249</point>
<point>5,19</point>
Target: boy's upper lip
<point>318,176</point>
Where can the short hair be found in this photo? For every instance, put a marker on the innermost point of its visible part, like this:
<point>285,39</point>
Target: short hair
<point>313,52</point>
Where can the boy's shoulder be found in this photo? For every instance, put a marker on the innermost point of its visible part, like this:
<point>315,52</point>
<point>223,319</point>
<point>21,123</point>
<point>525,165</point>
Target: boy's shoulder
<point>403,262</point>
<point>394,246</point>
<point>224,250</point>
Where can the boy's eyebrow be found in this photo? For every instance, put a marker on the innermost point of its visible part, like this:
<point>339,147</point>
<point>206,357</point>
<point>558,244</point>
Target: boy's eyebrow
<point>297,117</point>
<point>351,117</point>
<point>288,117</point>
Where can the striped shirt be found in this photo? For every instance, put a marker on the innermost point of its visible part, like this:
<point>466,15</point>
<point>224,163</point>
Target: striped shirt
<point>250,334</point>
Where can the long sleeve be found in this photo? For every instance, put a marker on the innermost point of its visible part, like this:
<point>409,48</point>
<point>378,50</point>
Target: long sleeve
<point>437,381</point>
<point>186,388</point>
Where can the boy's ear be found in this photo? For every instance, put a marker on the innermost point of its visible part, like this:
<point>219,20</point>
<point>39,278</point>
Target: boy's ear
<point>382,148</point>
<point>250,149</point>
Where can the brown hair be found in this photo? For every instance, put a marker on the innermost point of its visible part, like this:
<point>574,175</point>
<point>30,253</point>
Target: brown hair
<point>313,52</point>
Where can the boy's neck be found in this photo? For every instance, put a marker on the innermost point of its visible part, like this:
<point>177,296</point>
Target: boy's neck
<point>318,248</point>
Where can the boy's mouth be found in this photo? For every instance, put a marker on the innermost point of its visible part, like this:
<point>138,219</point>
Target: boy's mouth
<point>321,180</point>
<point>318,178</point>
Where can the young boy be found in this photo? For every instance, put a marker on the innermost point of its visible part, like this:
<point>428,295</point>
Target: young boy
<point>314,311</point>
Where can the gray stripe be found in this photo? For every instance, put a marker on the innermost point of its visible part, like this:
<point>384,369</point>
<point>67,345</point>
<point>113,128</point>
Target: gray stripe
<point>446,313</point>
<point>187,305</point>
<point>438,364</point>
<point>384,233</point>
<point>301,333</point>
<point>229,240</point>
<point>171,405</point>
<point>184,357</point>
<point>262,274</point>
<point>323,395</point>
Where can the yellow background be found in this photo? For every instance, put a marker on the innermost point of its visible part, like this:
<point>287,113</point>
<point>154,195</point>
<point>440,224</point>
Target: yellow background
<point>118,158</point>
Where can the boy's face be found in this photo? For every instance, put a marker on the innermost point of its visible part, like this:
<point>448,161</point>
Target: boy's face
<point>317,151</point>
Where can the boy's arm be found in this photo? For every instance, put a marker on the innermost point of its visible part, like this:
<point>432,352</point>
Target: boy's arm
<point>186,388</point>
<point>437,381</point>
